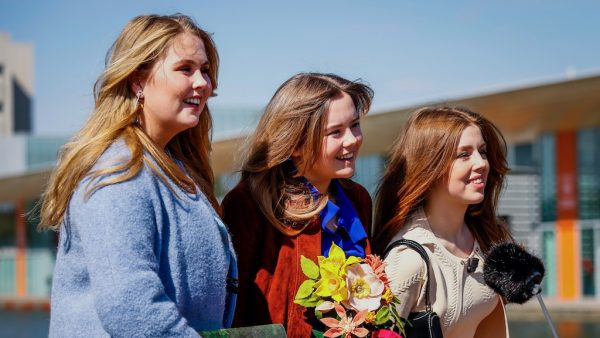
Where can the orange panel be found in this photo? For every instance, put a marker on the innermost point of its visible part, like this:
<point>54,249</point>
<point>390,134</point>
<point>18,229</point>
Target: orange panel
<point>567,242</point>
<point>21,254</point>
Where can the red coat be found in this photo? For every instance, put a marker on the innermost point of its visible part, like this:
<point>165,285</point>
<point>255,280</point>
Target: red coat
<point>269,262</point>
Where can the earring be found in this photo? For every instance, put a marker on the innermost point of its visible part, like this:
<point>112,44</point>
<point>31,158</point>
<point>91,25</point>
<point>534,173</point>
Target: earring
<point>138,97</point>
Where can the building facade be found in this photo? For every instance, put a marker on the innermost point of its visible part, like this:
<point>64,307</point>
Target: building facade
<point>551,200</point>
<point>16,86</point>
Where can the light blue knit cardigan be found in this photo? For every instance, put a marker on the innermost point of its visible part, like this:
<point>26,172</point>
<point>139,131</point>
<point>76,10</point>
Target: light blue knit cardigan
<point>137,260</point>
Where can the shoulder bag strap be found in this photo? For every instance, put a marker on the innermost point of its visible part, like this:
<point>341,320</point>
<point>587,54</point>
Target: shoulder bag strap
<point>419,249</point>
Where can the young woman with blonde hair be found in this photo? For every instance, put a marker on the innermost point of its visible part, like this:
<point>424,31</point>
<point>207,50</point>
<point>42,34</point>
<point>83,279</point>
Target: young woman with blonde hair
<point>441,189</point>
<point>142,251</point>
<point>295,197</point>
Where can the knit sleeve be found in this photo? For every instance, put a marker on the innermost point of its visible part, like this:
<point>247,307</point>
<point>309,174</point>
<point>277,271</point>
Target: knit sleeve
<point>118,229</point>
<point>405,269</point>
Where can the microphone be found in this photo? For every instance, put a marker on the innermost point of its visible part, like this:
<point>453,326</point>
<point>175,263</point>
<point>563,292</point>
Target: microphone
<point>516,275</point>
<point>472,263</point>
<point>513,272</point>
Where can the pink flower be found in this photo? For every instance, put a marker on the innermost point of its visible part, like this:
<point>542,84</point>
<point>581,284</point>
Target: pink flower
<point>364,288</point>
<point>378,267</point>
<point>346,326</point>
<point>383,333</point>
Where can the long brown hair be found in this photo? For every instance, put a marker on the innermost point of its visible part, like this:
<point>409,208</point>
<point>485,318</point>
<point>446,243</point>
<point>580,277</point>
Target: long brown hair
<point>143,41</point>
<point>294,120</point>
<point>422,156</point>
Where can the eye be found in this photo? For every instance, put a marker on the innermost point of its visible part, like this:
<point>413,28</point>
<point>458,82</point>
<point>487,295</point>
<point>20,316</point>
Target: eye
<point>483,153</point>
<point>463,155</point>
<point>333,132</point>
<point>356,124</point>
<point>205,70</point>
<point>185,69</point>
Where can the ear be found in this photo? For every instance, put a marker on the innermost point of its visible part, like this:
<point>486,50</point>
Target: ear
<point>137,83</point>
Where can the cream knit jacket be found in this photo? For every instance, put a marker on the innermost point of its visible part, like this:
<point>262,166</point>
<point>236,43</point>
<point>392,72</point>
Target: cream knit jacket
<point>466,305</point>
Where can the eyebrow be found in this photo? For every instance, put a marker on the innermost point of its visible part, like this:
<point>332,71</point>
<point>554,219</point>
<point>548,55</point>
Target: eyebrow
<point>185,61</point>
<point>337,125</point>
<point>468,147</point>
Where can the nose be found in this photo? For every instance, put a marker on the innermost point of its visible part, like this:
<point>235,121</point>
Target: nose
<point>351,138</point>
<point>200,80</point>
<point>479,162</point>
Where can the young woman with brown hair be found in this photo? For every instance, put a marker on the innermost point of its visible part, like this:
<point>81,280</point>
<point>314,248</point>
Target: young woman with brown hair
<point>295,197</point>
<point>441,189</point>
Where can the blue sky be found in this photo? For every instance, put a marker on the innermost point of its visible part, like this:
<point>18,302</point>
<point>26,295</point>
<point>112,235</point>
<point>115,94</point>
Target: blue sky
<point>409,52</point>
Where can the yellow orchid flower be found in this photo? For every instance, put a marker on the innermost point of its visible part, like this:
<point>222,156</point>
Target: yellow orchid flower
<point>336,261</point>
<point>331,285</point>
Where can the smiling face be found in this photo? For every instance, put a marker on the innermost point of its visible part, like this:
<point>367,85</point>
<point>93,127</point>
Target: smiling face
<point>342,140</point>
<point>176,89</point>
<point>468,174</point>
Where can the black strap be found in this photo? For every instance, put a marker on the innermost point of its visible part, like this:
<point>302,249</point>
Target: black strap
<point>419,249</point>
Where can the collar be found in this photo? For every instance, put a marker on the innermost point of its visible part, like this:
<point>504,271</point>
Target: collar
<point>418,229</point>
<point>349,232</point>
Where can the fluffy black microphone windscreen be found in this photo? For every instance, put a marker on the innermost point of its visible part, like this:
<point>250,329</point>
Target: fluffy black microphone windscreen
<point>513,272</point>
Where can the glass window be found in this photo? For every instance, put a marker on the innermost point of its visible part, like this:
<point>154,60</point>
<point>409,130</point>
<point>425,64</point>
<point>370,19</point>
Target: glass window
<point>588,180</point>
<point>549,286</point>
<point>369,169</point>
<point>587,261</point>
<point>7,225</point>
<point>524,155</point>
<point>548,173</point>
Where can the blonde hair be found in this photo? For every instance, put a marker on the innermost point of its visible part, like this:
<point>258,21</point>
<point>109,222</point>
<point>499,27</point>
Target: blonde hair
<point>294,120</point>
<point>422,156</point>
<point>144,40</point>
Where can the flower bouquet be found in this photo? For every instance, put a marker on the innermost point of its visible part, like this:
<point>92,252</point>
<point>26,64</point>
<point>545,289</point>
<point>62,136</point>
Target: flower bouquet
<point>351,296</point>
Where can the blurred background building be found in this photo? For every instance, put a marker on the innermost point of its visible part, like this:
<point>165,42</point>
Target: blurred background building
<point>551,201</point>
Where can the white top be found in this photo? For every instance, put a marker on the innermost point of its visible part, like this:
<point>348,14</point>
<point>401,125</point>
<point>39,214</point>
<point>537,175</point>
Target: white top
<point>461,299</point>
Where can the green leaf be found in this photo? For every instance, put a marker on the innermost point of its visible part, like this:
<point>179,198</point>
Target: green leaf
<point>313,300</point>
<point>396,316</point>
<point>303,302</point>
<point>317,334</point>
<point>383,315</point>
<point>310,269</point>
<point>306,289</point>
<point>318,314</point>
<point>400,322</point>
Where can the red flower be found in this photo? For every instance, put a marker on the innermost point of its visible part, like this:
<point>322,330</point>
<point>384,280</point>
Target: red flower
<point>383,333</point>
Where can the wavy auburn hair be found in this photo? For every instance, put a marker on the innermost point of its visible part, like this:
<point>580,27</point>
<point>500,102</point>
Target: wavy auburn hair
<point>422,156</point>
<point>294,120</point>
<point>144,41</point>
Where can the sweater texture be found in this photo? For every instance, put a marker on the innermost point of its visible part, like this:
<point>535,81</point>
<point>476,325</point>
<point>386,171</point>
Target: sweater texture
<point>140,259</point>
<point>466,305</point>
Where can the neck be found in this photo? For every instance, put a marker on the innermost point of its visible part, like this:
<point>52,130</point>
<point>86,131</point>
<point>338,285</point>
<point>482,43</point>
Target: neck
<point>446,220</point>
<point>321,185</point>
<point>156,134</point>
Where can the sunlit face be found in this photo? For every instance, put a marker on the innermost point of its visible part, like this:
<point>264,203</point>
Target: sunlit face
<point>469,171</point>
<point>176,89</point>
<point>342,140</point>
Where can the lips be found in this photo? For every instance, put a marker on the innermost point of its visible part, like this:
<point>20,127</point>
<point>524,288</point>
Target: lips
<point>477,180</point>
<point>345,157</point>
<point>192,100</point>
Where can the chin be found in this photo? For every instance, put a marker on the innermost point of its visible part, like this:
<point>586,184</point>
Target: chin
<point>476,200</point>
<point>345,173</point>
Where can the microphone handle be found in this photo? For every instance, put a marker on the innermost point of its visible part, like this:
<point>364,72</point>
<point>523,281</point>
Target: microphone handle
<point>546,314</point>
